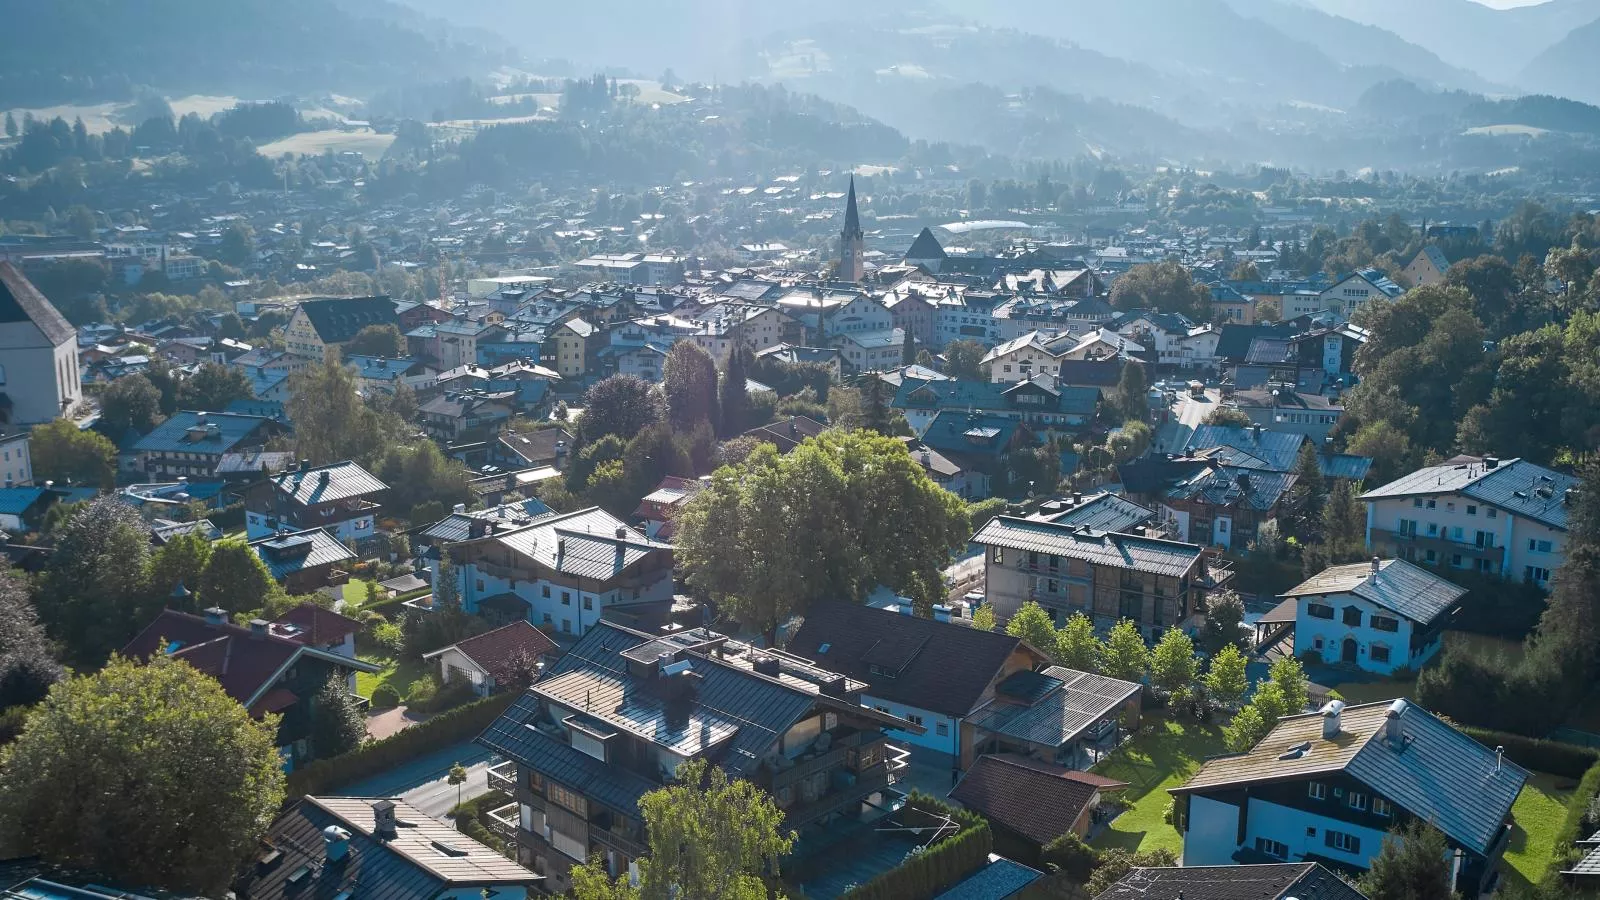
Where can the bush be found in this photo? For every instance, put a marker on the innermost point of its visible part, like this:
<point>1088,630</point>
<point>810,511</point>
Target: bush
<point>389,636</point>
<point>1072,856</point>
<point>1553,757</point>
<point>328,775</point>
<point>1580,823</point>
<point>422,692</point>
<point>384,696</point>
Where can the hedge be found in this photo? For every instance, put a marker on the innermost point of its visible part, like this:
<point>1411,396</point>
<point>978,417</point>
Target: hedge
<point>1572,829</point>
<point>1553,757</point>
<point>375,757</point>
<point>940,867</point>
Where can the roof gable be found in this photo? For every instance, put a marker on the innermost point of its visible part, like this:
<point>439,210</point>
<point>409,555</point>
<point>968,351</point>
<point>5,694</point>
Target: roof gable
<point>20,301</point>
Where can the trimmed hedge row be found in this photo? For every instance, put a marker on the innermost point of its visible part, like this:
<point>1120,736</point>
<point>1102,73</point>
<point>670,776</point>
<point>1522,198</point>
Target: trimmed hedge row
<point>940,867</point>
<point>1572,828</point>
<point>1553,757</point>
<point>374,757</point>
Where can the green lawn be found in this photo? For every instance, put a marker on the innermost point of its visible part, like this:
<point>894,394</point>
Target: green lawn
<point>355,592</point>
<point>1385,689</point>
<point>397,673</point>
<point>1539,812</point>
<point>1162,755</point>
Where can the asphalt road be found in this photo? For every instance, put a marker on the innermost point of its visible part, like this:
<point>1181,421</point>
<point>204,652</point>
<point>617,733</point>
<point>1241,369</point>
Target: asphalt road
<point>421,782</point>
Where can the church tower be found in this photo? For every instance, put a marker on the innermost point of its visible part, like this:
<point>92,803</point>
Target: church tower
<point>852,242</point>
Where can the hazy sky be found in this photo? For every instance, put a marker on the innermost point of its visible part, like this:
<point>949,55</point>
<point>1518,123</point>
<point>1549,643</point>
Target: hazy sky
<point>1505,4</point>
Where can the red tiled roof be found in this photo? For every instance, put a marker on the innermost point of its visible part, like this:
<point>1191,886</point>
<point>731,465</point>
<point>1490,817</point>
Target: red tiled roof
<point>241,660</point>
<point>276,700</point>
<point>494,651</point>
<point>318,627</point>
<point>1038,801</point>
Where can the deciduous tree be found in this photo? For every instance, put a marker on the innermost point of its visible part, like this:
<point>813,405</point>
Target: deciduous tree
<point>621,405</point>
<point>1173,666</point>
<point>97,581</point>
<point>27,667</point>
<point>1413,864</point>
<point>1226,679</point>
<point>689,380</point>
<point>377,340</point>
<point>964,360</point>
<point>213,387</point>
<point>1032,624</point>
<point>129,402</point>
<point>734,396</point>
<point>710,837</point>
<point>235,578</point>
<point>1163,287</point>
<point>1125,656</point>
<point>81,785</point>
<point>63,452</point>
<point>1078,647</point>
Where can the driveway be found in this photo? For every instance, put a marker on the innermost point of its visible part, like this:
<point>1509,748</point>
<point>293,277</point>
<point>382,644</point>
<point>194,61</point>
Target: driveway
<point>421,782</point>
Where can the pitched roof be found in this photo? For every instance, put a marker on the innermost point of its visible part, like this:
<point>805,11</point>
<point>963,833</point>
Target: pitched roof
<point>1053,707</point>
<point>1514,485</point>
<point>309,623</point>
<point>1413,592</point>
<point>1140,554</point>
<point>20,301</point>
<point>1281,881</point>
<point>290,552</point>
<point>211,433</point>
<point>588,543</point>
<point>243,661</point>
<point>1001,879</point>
<point>1276,450</point>
<point>458,526</point>
<point>852,217</point>
<point>518,735</point>
<point>426,859</point>
<point>339,320</point>
<point>1104,511</point>
<point>931,665</point>
<point>496,652</point>
<point>1036,800</point>
<point>536,446</point>
<point>926,246</point>
<point>787,435</point>
<point>1227,486</point>
<point>325,484</point>
<point>1435,772</point>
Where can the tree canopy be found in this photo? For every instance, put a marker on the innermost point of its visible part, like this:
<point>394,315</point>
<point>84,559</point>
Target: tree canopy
<point>839,515</point>
<point>377,340</point>
<point>621,405</point>
<point>149,774</point>
<point>62,452</point>
<point>1163,287</point>
<point>98,581</point>
<point>689,380</point>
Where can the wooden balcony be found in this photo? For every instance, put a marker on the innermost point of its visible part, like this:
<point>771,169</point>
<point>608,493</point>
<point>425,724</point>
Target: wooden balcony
<point>874,779</point>
<point>503,777</point>
<point>504,822</point>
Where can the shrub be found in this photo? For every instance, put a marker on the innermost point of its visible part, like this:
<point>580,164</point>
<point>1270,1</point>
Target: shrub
<point>384,696</point>
<point>446,696</point>
<point>328,775</point>
<point>1580,822</point>
<point>389,636</point>
<point>421,692</point>
<point>1072,856</point>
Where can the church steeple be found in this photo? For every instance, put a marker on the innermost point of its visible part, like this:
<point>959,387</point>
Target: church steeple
<point>852,241</point>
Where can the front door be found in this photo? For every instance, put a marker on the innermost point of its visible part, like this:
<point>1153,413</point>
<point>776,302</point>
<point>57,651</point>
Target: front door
<point>1349,654</point>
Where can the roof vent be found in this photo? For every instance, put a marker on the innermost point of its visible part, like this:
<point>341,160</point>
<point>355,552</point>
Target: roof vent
<point>1491,462</point>
<point>1391,722</point>
<point>385,822</point>
<point>1331,715</point>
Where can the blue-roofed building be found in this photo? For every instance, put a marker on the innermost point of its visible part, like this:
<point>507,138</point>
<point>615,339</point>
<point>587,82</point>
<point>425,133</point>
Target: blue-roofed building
<point>975,440</point>
<point>613,718</point>
<point>1000,879</point>
<point>268,385</point>
<point>1039,402</point>
<point>1329,788</point>
<point>191,443</point>
<point>252,406</point>
<point>1352,291</point>
<point>1506,517</point>
<point>22,507</point>
<point>377,373</point>
<point>305,561</point>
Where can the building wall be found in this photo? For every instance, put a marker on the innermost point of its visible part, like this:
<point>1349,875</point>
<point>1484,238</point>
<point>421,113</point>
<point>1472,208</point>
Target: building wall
<point>301,339</point>
<point>1315,424</point>
<point>1450,528</point>
<point>16,464</point>
<point>565,608</point>
<point>930,747</point>
<point>42,381</point>
<point>1022,364</point>
<point>1212,836</point>
<point>454,664</point>
<point>1332,633</point>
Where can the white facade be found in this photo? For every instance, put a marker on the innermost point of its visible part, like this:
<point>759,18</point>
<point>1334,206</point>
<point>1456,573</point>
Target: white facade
<point>1341,637</point>
<point>42,380</point>
<point>943,735</point>
<point>258,524</point>
<point>1214,827</point>
<point>1464,533</point>
<point>16,464</point>
<point>455,665</point>
<point>566,609</point>
<point>954,320</point>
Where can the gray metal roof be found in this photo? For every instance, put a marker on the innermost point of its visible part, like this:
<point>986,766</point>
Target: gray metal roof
<point>1140,554</point>
<point>174,435</point>
<point>1076,701</point>
<point>1244,488</point>
<point>286,554</point>
<point>1413,592</point>
<point>1278,449</point>
<point>458,526</point>
<point>1515,485</point>
<point>325,484</point>
<point>1588,867</point>
<point>1104,511</point>
<point>589,543</point>
<point>20,301</point>
<point>514,736</point>
<point>1275,881</point>
<point>1435,772</point>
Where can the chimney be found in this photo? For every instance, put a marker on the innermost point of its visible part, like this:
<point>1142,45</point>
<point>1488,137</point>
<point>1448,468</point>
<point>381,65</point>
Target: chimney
<point>385,823</point>
<point>336,843</point>
<point>1331,714</point>
<point>1391,723</point>
<point>459,508</point>
<point>622,532</point>
<point>1377,566</point>
<point>766,665</point>
<point>258,628</point>
<point>1255,433</point>
<point>1491,462</point>
<point>216,617</point>
<point>305,465</point>
<point>1499,758</point>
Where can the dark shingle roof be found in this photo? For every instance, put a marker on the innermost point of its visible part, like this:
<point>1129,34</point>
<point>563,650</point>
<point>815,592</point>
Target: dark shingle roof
<point>496,651</point>
<point>288,553</point>
<point>339,320</point>
<point>926,246</point>
<point>1001,879</point>
<point>1304,881</point>
<point>514,736</point>
<point>1035,800</point>
<point>938,666</point>
<point>20,301</point>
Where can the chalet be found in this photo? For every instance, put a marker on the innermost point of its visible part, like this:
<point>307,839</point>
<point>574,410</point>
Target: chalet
<point>325,322</point>
<point>1329,788</point>
<point>613,718</point>
<point>192,444</point>
<point>1381,616</point>
<point>493,660</point>
<point>1427,267</point>
<point>305,561</point>
<point>342,498</point>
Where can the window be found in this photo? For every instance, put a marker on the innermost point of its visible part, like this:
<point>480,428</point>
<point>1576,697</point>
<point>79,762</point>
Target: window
<point>1433,529</point>
<point>1338,840</point>
<point>1433,504</point>
<point>1357,800</point>
<point>999,555</point>
<point>564,796</point>
<point>1318,611</point>
<point>1539,546</point>
<point>566,626</point>
<point>1455,533</point>
<point>544,591</point>
<point>1417,502</point>
<point>566,598</point>
<point>1272,848</point>
<point>941,728</point>
<point>480,584</point>
<point>1385,623</point>
<point>1432,557</point>
<point>1352,615</point>
<point>914,719</point>
<point>588,603</point>
<point>1382,807</point>
<point>1535,574</point>
<point>1472,510</point>
<point>1455,560</point>
<point>1316,790</point>
<point>1492,513</point>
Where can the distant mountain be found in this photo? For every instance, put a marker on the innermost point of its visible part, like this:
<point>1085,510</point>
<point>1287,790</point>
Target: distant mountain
<point>1359,44</point>
<point>1570,68</point>
<point>1245,59</point>
<point>1497,44</point>
<point>91,50</point>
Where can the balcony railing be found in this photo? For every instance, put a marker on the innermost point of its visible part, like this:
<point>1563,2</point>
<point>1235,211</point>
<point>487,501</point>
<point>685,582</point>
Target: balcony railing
<point>618,841</point>
<point>873,779</point>
<point>503,777</point>
<point>503,822</point>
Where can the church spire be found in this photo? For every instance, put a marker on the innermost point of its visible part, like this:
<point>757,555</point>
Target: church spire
<point>852,241</point>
